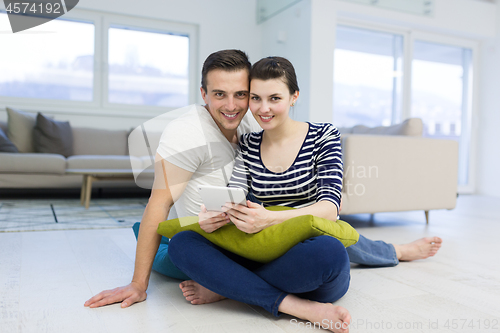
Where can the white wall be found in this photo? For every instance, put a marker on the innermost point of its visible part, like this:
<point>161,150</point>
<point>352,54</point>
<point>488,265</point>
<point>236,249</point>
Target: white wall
<point>461,18</point>
<point>305,35</point>
<point>288,34</point>
<point>488,151</point>
<point>222,24</point>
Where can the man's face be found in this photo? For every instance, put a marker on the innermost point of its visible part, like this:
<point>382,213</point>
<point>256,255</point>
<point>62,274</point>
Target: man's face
<point>227,97</point>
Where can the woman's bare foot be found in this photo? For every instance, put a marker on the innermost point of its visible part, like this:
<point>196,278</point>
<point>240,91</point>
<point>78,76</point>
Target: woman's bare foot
<point>420,249</point>
<point>197,294</point>
<point>331,317</point>
<point>326,315</point>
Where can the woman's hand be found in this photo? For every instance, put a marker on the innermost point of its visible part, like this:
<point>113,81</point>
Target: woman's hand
<point>250,219</point>
<point>211,221</point>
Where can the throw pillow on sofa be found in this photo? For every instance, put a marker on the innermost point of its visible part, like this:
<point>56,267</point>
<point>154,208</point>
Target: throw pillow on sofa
<point>20,129</point>
<point>52,137</point>
<point>6,146</point>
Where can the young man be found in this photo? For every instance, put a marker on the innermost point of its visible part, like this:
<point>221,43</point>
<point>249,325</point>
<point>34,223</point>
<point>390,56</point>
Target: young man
<point>199,148</point>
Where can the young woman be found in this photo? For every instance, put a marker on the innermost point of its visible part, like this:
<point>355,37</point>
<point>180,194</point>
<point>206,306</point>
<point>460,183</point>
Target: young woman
<point>289,163</point>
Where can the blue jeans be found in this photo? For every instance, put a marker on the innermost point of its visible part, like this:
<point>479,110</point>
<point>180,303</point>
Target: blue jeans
<point>162,263</point>
<point>372,253</point>
<point>316,269</point>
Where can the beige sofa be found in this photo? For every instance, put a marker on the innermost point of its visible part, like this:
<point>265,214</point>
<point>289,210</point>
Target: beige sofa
<point>390,169</point>
<point>93,149</point>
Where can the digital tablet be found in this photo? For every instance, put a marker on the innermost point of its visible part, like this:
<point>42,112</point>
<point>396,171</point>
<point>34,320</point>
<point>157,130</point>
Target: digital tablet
<point>214,197</point>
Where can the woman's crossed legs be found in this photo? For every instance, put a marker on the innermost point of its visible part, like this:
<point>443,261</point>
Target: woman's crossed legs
<point>303,282</point>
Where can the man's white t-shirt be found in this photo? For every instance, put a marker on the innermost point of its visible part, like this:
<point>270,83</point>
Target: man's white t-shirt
<point>195,143</point>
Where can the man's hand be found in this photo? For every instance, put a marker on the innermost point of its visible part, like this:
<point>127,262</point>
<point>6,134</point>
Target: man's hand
<point>250,219</point>
<point>211,221</point>
<point>128,295</point>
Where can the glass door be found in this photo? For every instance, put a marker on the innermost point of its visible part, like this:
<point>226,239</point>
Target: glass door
<point>441,95</point>
<point>368,70</point>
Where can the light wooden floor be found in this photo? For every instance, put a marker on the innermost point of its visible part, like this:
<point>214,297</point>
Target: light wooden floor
<point>45,277</point>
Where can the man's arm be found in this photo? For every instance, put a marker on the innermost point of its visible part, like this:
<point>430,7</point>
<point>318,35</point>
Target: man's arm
<point>169,184</point>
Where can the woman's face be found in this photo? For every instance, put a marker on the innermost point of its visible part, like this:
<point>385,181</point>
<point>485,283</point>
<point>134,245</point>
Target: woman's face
<point>270,102</point>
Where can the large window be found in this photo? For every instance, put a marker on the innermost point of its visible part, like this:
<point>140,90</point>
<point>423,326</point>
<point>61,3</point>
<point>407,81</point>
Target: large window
<point>440,94</point>
<point>147,68</point>
<point>367,77</point>
<point>88,60</point>
<point>53,61</point>
<point>383,77</point>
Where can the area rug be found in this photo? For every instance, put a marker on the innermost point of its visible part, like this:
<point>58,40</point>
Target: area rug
<point>61,214</point>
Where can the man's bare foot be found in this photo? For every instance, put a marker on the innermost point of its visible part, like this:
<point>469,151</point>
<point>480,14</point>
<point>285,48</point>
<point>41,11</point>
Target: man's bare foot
<point>420,249</point>
<point>197,294</point>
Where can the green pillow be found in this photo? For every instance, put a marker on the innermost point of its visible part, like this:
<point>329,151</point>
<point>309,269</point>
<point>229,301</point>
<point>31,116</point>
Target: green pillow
<point>270,243</point>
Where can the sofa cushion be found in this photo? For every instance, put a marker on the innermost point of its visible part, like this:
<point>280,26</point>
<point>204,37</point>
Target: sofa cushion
<point>90,141</point>
<point>6,145</point>
<point>3,126</point>
<point>32,163</point>
<point>52,137</point>
<point>99,162</point>
<point>409,127</point>
<point>20,130</point>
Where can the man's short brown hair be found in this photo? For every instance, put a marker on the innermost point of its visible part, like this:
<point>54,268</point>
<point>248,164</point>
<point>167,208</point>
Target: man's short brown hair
<point>228,60</point>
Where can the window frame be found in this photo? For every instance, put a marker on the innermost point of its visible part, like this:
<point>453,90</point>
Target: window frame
<point>390,30</point>
<point>469,108</point>
<point>31,103</point>
<point>395,118</point>
<point>152,26</point>
<point>99,105</point>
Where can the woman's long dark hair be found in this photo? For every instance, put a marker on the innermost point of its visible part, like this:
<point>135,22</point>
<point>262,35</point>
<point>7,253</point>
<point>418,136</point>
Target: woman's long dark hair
<point>275,68</point>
